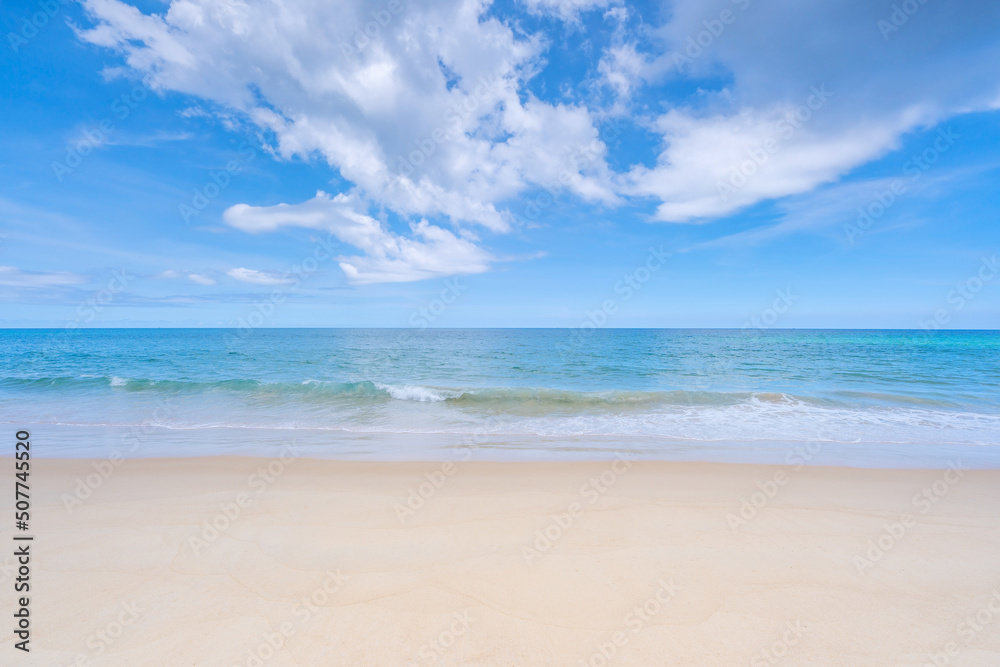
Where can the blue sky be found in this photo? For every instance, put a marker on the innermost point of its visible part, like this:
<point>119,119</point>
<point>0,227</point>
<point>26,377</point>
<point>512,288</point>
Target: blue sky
<point>519,158</point>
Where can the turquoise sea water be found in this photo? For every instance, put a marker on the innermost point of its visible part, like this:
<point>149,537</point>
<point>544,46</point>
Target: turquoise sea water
<point>392,393</point>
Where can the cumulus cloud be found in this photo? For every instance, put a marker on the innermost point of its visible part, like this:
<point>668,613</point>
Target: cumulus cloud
<point>426,107</point>
<point>429,118</point>
<point>936,63</point>
<point>431,252</point>
<point>718,164</point>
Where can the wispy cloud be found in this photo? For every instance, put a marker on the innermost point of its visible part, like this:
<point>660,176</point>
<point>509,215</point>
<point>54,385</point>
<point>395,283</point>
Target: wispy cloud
<point>831,209</point>
<point>147,140</point>
<point>200,279</point>
<point>13,277</point>
<point>197,278</point>
<point>257,277</point>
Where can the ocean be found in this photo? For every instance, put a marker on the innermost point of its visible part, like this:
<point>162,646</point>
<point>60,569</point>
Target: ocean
<point>845,397</point>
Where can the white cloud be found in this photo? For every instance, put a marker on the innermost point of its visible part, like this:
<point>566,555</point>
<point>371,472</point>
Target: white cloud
<point>435,118</point>
<point>568,10</point>
<point>167,275</point>
<point>432,251</point>
<point>939,64</point>
<point>430,118</point>
<point>171,274</point>
<point>255,277</point>
<point>200,279</point>
<point>622,69</point>
<point>13,277</point>
<point>716,165</point>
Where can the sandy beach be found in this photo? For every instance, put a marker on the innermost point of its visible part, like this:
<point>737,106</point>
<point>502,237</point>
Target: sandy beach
<point>569,333</point>
<point>288,561</point>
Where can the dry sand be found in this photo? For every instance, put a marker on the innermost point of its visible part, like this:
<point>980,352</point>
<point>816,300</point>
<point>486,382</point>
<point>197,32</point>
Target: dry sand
<point>642,568</point>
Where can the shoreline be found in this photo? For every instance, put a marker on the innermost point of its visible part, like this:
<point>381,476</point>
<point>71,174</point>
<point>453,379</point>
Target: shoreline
<point>498,563</point>
<point>148,441</point>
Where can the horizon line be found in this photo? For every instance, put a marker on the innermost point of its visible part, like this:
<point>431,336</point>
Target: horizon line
<point>576,328</point>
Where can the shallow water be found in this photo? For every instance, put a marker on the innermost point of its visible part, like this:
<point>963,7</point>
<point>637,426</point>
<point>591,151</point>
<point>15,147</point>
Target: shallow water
<point>657,390</point>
